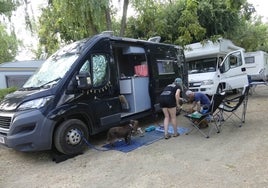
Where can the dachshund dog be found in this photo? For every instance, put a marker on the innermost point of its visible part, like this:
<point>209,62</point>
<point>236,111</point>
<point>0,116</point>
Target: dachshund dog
<point>125,132</point>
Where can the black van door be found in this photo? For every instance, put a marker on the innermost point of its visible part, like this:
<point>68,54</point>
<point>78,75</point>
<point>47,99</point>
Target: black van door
<point>164,69</point>
<point>102,98</point>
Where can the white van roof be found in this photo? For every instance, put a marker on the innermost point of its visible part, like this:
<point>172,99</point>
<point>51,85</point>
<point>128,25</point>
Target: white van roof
<point>199,49</point>
<point>247,54</point>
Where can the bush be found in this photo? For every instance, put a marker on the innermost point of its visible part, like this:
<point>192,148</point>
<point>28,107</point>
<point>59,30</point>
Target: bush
<point>4,92</point>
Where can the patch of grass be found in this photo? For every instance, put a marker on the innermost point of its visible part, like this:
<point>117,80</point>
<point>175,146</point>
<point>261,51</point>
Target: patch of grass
<point>4,92</point>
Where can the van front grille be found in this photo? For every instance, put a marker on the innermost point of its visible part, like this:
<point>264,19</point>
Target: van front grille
<point>5,122</point>
<point>194,84</point>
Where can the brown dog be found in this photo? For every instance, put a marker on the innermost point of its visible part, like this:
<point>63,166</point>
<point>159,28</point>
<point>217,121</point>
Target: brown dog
<point>125,132</point>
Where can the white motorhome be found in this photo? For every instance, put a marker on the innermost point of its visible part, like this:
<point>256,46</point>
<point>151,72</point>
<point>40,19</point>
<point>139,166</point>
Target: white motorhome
<point>215,66</point>
<point>257,65</point>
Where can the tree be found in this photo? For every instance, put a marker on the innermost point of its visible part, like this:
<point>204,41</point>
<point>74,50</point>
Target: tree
<point>150,21</point>
<point>7,6</point>
<point>223,17</point>
<point>189,27</point>
<point>8,42</point>
<point>124,18</point>
<point>9,45</point>
<point>187,21</point>
<point>252,36</point>
<point>175,21</point>
<point>66,21</point>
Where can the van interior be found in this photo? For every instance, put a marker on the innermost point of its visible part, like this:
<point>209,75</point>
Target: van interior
<point>134,81</point>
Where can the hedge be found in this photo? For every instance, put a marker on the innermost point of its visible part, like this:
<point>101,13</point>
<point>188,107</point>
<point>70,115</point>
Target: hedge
<point>4,92</point>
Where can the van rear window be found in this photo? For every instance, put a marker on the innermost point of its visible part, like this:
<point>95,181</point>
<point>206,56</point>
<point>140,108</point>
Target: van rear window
<point>249,60</point>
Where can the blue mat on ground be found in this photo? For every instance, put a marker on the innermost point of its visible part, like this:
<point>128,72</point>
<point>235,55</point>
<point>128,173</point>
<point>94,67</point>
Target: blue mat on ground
<point>136,141</point>
<point>181,130</point>
<point>148,138</point>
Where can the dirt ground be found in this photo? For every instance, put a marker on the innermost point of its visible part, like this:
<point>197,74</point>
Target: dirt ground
<point>236,157</point>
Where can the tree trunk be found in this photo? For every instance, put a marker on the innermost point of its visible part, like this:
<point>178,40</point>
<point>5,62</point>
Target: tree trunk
<point>108,19</point>
<point>124,18</point>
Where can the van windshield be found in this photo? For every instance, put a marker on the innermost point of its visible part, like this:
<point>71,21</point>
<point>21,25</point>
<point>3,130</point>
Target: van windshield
<point>202,65</point>
<point>55,67</point>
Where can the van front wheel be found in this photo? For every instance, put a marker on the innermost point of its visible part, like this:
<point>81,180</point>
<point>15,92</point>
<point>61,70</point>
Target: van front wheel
<point>69,135</point>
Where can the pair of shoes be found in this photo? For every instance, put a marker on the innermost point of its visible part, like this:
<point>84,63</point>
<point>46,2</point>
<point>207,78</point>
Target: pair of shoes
<point>167,136</point>
<point>176,134</point>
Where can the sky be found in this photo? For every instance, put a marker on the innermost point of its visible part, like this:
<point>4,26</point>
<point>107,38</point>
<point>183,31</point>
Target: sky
<point>261,8</point>
<point>29,41</point>
<point>35,6</point>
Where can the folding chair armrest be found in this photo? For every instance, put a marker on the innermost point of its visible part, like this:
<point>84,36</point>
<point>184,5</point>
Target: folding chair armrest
<point>235,99</point>
<point>225,104</point>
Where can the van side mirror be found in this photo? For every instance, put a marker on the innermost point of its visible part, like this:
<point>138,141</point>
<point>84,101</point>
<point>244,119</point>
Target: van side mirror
<point>83,80</point>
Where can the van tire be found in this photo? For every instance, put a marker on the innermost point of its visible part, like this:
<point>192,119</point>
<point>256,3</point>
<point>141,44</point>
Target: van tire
<point>69,137</point>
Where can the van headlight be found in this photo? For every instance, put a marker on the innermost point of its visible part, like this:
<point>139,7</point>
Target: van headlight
<point>36,103</point>
<point>207,82</point>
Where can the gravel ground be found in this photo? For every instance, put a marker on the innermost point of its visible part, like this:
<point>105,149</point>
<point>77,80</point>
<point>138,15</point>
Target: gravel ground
<point>237,157</point>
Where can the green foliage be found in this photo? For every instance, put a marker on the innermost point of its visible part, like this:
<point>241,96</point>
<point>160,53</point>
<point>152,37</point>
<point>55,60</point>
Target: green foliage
<point>176,21</point>
<point>9,45</point>
<point>252,36</point>
<point>187,21</point>
<point>147,24</point>
<point>8,42</point>
<point>6,6</point>
<point>223,17</point>
<point>189,26</point>
<point>4,92</point>
<point>66,21</point>
<point>48,30</point>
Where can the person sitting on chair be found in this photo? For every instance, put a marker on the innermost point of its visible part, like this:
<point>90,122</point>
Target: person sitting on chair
<point>201,102</point>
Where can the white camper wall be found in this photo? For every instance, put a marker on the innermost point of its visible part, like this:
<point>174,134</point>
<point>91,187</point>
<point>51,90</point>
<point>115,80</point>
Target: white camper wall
<point>2,81</point>
<point>16,73</point>
<point>257,65</point>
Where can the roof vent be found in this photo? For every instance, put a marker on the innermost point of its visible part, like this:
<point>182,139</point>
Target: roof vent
<point>155,39</point>
<point>110,33</point>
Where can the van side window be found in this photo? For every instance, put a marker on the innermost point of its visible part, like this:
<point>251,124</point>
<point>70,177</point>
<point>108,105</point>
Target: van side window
<point>165,58</point>
<point>85,68</point>
<point>250,60</point>
<point>99,69</point>
<point>235,60</point>
<point>232,61</point>
<point>165,67</point>
<point>226,65</point>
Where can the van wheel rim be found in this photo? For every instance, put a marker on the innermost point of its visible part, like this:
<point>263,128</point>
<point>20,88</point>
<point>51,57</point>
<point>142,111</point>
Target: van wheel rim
<point>73,137</point>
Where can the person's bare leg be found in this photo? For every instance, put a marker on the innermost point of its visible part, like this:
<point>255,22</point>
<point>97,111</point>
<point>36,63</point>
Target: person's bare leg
<point>166,120</point>
<point>173,118</point>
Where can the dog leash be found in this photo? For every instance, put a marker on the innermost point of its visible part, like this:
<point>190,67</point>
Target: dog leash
<point>91,145</point>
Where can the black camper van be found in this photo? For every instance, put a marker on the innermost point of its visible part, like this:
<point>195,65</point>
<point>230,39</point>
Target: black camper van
<point>87,87</point>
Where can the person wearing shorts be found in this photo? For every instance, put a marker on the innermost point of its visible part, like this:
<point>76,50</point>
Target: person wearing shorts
<point>169,100</point>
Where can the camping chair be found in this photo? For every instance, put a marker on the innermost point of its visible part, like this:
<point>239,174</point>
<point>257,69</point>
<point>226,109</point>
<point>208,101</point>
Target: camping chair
<point>230,107</point>
<point>211,116</point>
